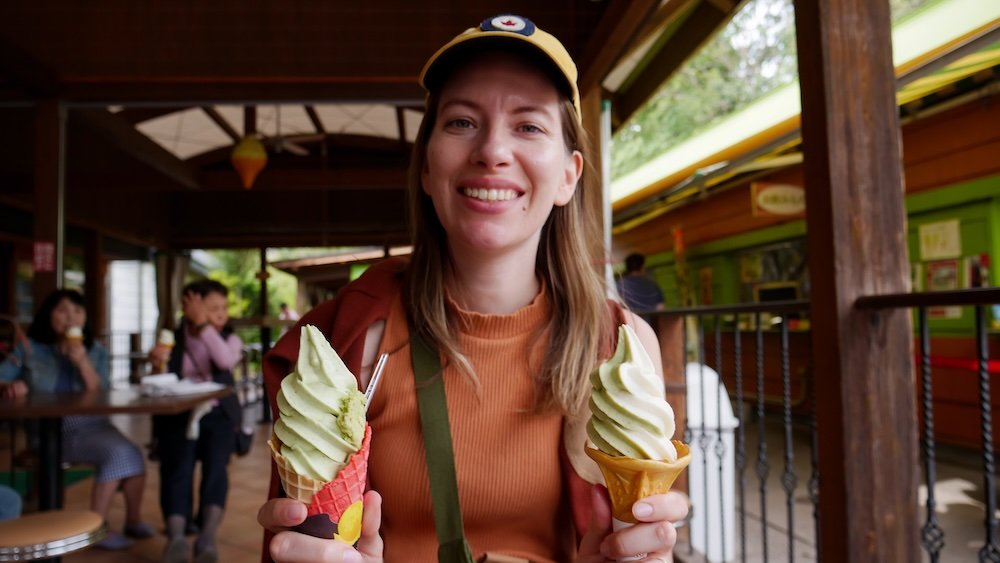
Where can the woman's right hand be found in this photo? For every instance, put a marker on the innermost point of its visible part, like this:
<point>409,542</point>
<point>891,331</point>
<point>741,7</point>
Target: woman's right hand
<point>280,515</point>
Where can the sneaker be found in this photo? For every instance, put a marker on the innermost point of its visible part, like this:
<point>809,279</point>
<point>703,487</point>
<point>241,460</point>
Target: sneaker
<point>114,541</point>
<point>139,530</point>
<point>176,551</point>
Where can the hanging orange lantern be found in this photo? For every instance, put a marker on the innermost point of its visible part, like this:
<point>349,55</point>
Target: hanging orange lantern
<point>248,158</point>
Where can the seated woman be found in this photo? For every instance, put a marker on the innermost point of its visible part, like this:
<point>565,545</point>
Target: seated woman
<point>60,355</point>
<point>206,350</point>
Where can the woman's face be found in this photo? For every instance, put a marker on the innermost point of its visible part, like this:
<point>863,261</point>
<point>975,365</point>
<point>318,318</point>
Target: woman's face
<point>496,161</point>
<point>67,314</point>
<point>217,307</point>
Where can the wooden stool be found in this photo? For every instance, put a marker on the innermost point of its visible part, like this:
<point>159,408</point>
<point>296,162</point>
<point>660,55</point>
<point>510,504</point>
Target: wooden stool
<point>49,534</point>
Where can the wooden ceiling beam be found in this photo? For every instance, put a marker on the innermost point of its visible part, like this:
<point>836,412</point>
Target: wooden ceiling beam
<point>26,72</point>
<point>401,127</point>
<point>375,178</point>
<point>217,118</point>
<point>249,120</point>
<point>136,115</point>
<point>314,118</point>
<point>126,138</point>
<point>254,239</point>
<point>613,36</point>
<point>696,30</point>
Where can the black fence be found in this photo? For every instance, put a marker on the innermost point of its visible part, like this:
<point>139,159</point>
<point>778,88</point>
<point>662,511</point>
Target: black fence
<point>762,354</point>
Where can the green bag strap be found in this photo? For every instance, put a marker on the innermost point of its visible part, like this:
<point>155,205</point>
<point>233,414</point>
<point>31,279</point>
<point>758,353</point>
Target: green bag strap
<point>433,406</point>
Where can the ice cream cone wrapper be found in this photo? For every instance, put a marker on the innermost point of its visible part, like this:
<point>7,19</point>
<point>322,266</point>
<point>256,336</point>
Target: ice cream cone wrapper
<point>629,480</point>
<point>334,508</point>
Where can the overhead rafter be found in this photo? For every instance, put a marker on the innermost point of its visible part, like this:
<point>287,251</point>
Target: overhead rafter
<point>703,21</point>
<point>123,135</point>
<point>611,39</point>
<point>217,118</point>
<point>317,123</point>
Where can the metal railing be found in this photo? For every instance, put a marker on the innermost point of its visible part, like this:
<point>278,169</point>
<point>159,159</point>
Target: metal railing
<point>770,384</point>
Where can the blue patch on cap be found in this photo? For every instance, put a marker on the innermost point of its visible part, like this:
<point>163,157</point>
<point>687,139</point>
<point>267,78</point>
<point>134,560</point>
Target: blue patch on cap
<point>510,24</point>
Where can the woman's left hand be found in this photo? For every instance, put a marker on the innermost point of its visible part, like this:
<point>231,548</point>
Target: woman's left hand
<point>654,535</point>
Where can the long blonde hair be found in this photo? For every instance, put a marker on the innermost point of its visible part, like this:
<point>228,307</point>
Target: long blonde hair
<point>567,263</point>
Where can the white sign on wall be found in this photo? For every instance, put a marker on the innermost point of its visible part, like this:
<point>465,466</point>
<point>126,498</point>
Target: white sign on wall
<point>940,240</point>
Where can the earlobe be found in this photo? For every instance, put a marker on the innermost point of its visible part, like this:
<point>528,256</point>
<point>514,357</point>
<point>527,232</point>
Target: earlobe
<point>573,171</point>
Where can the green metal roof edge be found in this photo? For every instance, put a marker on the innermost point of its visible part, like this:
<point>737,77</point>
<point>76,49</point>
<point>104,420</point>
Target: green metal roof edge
<point>930,20</point>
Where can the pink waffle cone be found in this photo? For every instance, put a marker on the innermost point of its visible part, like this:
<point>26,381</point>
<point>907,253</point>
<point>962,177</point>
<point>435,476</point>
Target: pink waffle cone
<point>328,503</point>
<point>348,487</point>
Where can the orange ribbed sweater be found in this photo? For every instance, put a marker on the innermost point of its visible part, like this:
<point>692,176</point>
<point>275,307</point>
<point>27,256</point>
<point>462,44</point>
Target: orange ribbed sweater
<point>507,458</point>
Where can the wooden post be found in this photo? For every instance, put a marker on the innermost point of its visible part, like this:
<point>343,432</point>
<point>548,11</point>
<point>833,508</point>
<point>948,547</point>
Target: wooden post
<point>95,275</point>
<point>594,200</point>
<point>265,329</point>
<point>48,212</point>
<point>670,331</point>
<point>857,246</point>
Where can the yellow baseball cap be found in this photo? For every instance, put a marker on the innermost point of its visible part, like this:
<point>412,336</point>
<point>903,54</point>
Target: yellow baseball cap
<point>500,29</point>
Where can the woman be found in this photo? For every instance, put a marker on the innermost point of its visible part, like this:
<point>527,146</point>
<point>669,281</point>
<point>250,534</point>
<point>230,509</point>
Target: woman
<point>52,361</point>
<point>502,284</point>
<point>205,350</point>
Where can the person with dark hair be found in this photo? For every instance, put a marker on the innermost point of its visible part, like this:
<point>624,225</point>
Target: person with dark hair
<point>60,355</point>
<point>497,320</point>
<point>636,288</point>
<point>206,349</point>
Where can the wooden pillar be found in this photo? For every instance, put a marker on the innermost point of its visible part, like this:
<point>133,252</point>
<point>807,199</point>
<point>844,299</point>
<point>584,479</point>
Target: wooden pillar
<point>95,274</point>
<point>265,328</point>
<point>857,246</point>
<point>670,331</point>
<point>594,199</point>
<point>48,210</point>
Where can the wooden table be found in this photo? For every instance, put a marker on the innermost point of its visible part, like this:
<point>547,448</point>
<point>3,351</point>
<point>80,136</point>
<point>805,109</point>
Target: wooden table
<point>49,408</point>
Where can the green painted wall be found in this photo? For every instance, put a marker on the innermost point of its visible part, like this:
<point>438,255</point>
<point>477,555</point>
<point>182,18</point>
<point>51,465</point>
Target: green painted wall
<point>975,204</point>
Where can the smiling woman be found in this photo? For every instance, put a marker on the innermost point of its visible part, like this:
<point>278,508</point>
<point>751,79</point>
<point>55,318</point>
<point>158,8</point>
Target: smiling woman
<point>497,320</point>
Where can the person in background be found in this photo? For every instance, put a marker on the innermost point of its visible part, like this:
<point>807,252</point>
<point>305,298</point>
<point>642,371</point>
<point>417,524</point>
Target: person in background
<point>287,314</point>
<point>205,349</point>
<point>10,503</point>
<point>637,289</point>
<point>502,286</point>
<point>54,359</point>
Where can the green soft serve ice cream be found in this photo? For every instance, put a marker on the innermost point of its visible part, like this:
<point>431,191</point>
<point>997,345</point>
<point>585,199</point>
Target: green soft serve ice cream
<point>322,412</point>
<point>629,415</point>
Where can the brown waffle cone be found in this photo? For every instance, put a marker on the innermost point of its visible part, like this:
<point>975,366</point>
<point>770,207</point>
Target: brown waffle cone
<point>296,486</point>
<point>629,480</point>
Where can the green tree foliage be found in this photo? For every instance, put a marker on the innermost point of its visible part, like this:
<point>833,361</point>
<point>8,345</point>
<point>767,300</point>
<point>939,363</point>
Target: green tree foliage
<point>237,269</point>
<point>750,57</point>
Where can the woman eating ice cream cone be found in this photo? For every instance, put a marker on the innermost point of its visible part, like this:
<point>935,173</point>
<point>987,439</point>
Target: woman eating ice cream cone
<point>497,319</point>
<point>61,355</point>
